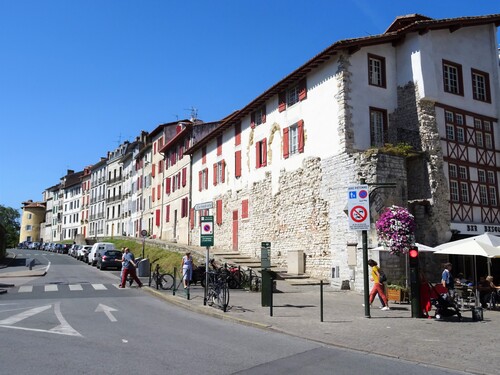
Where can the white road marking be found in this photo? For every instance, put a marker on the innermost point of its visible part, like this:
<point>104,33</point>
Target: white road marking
<point>106,310</point>
<point>99,287</point>
<point>25,314</point>
<point>51,288</point>
<point>25,289</point>
<point>75,287</point>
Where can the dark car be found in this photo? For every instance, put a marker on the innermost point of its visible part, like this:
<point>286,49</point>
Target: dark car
<point>109,259</point>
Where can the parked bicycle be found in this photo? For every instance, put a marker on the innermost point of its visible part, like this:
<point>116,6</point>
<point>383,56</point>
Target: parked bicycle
<point>218,291</point>
<point>161,280</point>
<point>236,279</point>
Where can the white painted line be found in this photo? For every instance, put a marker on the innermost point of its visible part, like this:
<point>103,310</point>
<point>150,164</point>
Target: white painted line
<point>75,287</point>
<point>99,287</point>
<point>51,288</point>
<point>25,289</point>
<point>106,310</point>
<point>26,314</point>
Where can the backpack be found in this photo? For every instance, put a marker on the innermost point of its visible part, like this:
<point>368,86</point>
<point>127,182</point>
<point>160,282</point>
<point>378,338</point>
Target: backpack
<point>382,277</point>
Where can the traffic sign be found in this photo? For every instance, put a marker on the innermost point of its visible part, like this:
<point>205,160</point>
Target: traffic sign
<point>144,233</point>
<point>207,231</point>
<point>358,206</point>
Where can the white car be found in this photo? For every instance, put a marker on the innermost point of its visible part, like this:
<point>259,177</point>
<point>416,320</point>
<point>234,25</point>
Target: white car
<point>83,252</point>
<point>92,258</point>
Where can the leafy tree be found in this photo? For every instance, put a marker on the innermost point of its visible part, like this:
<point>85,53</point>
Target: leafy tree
<point>9,219</point>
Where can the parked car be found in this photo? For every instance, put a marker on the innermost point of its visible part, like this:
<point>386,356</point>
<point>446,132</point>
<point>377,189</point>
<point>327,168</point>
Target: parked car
<point>109,259</point>
<point>92,259</point>
<point>73,250</point>
<point>83,253</point>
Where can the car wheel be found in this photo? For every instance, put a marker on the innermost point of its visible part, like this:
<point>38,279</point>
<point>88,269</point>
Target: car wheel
<point>102,268</point>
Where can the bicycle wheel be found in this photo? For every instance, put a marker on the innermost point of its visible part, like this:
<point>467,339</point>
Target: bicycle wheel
<point>223,297</point>
<point>210,296</point>
<point>166,281</point>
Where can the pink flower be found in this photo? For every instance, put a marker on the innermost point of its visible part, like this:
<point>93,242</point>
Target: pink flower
<point>396,229</point>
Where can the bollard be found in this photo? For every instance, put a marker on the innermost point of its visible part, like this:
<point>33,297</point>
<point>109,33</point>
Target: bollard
<point>321,300</point>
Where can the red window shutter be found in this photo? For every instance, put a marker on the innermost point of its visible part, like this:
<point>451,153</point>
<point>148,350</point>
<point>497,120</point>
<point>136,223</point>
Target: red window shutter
<point>237,164</point>
<point>167,213</point>
<point>302,90</point>
<point>282,101</point>
<point>179,180</point>
<point>182,207</point>
<point>223,177</point>
<point>158,218</point>
<point>244,208</point>
<point>191,218</point>
<point>257,155</point>
<point>203,154</point>
<point>167,186</point>
<point>252,120</point>
<point>237,134</point>
<point>300,128</point>
<point>153,171</point>
<point>219,212</point>
<point>286,151</point>
<point>200,180</point>
<point>181,151</point>
<point>158,192</point>
<point>263,114</point>
<point>154,148</point>
<point>184,173</point>
<point>153,195</point>
<point>206,178</point>
<point>219,145</point>
<point>264,152</point>
<point>215,174</point>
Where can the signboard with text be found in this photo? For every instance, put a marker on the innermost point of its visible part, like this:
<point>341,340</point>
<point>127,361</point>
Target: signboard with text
<point>207,231</point>
<point>358,206</point>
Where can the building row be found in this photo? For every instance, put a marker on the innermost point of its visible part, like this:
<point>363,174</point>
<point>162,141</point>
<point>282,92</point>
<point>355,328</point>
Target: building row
<point>416,106</point>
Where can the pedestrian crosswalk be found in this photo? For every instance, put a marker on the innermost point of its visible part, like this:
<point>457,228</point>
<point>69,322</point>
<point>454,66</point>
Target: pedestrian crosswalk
<point>65,287</point>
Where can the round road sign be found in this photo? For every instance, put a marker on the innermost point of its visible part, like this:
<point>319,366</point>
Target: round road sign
<point>144,233</point>
<point>359,214</point>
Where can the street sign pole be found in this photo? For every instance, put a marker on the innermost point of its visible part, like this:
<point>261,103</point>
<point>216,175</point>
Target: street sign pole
<point>366,284</point>
<point>205,291</point>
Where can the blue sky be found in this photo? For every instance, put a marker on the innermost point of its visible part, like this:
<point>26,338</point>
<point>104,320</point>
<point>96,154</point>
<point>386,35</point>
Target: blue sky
<point>78,77</point>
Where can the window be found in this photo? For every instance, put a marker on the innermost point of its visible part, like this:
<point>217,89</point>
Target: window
<point>480,86</point>
<point>219,172</point>
<point>237,164</point>
<point>462,172</point>
<point>258,117</point>
<point>261,153</point>
<point>464,192</point>
<point>184,207</point>
<point>491,177</point>
<point>483,195</point>
<point>378,127</point>
<point>488,142</point>
<point>454,191</point>
<point>219,145</point>
<point>453,170</point>
<point>376,71</point>
<point>203,179</point>
<point>481,175</point>
<point>292,96</point>
<point>452,78</point>
<point>460,135</point>
<point>450,132</point>
<point>493,195</point>
<point>293,139</point>
<point>29,227</point>
<point>479,139</point>
<point>237,134</point>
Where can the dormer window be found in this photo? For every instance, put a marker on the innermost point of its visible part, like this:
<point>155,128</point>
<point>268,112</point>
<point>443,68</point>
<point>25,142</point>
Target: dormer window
<point>258,117</point>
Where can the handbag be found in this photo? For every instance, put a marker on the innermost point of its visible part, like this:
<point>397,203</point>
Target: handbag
<point>382,277</point>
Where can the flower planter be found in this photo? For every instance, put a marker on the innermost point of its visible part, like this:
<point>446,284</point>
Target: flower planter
<point>397,295</point>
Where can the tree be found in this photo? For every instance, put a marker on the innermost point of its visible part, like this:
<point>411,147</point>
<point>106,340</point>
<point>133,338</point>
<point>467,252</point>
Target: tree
<point>9,219</point>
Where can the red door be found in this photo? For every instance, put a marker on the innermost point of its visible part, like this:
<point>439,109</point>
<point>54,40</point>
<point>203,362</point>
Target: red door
<point>235,230</point>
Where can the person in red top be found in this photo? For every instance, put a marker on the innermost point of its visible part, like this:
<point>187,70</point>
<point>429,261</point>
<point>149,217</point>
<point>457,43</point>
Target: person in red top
<point>378,287</point>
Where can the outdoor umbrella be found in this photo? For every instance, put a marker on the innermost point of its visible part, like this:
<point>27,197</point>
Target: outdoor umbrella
<point>472,246</point>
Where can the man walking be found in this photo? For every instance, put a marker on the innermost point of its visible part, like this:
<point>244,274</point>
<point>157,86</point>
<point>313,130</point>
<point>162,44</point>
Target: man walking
<point>129,267</point>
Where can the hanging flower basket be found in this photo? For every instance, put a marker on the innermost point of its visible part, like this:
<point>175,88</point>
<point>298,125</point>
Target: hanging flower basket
<point>396,229</point>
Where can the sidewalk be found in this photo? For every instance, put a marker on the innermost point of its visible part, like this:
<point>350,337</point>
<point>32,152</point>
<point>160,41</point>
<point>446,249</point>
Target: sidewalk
<point>464,346</point>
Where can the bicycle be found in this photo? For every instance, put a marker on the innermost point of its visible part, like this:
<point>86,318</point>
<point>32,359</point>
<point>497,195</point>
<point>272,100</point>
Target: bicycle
<point>218,291</point>
<point>164,281</point>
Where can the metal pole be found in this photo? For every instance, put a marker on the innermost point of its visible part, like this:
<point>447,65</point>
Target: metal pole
<point>175,281</point>
<point>366,284</point>
<point>321,300</point>
<point>271,299</point>
<point>205,291</point>
<point>143,245</point>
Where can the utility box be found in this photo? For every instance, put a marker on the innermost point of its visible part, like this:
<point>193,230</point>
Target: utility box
<point>143,268</point>
<point>295,262</point>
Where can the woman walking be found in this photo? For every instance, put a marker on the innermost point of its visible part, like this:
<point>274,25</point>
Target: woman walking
<point>378,286</point>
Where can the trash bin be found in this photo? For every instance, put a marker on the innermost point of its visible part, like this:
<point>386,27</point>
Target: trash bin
<point>477,314</point>
<point>143,268</point>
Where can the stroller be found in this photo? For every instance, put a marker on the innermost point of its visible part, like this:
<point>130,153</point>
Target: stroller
<point>445,304</point>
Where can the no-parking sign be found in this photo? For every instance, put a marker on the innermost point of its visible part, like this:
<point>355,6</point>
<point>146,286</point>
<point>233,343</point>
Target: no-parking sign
<point>358,206</point>
<point>207,231</point>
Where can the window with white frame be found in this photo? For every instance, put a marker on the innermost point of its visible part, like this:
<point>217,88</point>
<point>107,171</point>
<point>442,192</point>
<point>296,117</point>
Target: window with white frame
<point>292,96</point>
<point>462,172</point>
<point>453,171</point>
<point>481,175</point>
<point>454,191</point>
<point>460,134</point>
<point>480,86</point>
<point>450,132</point>
<point>449,116</point>
<point>293,139</point>
<point>488,141</point>
<point>452,78</point>
<point>376,71</point>
<point>491,177</point>
<point>464,192</point>
<point>483,195</point>
<point>478,124</point>
<point>479,139</point>
<point>493,195</point>
<point>378,127</point>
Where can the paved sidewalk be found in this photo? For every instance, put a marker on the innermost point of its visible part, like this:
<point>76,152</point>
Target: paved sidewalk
<point>465,346</point>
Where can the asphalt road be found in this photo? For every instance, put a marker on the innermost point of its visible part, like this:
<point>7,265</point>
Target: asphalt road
<point>75,320</point>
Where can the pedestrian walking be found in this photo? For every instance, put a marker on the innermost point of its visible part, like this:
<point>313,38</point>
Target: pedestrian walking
<point>447,279</point>
<point>378,286</point>
<point>187,268</point>
<point>129,266</point>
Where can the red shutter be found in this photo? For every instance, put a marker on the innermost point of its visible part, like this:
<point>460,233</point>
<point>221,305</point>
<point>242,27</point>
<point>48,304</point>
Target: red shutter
<point>153,170</point>
<point>219,212</point>
<point>154,148</point>
<point>257,155</point>
<point>167,213</point>
<point>191,218</point>
<point>179,180</point>
<point>237,164</point>
<point>282,101</point>
<point>286,151</point>
<point>153,194</point>
<point>223,177</point>
<point>206,178</point>
<point>252,120</point>
<point>200,180</point>
<point>182,207</point>
<point>167,186</point>
<point>215,174</point>
<point>237,134</point>
<point>264,152</point>
<point>184,173</point>
<point>203,154</point>
<point>244,208</point>
<point>158,192</point>
<point>158,218</point>
<point>263,114</point>
<point>302,90</point>
<point>300,128</point>
<point>219,145</point>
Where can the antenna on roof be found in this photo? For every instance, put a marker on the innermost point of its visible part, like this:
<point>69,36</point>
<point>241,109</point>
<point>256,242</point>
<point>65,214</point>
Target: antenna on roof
<point>194,114</point>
